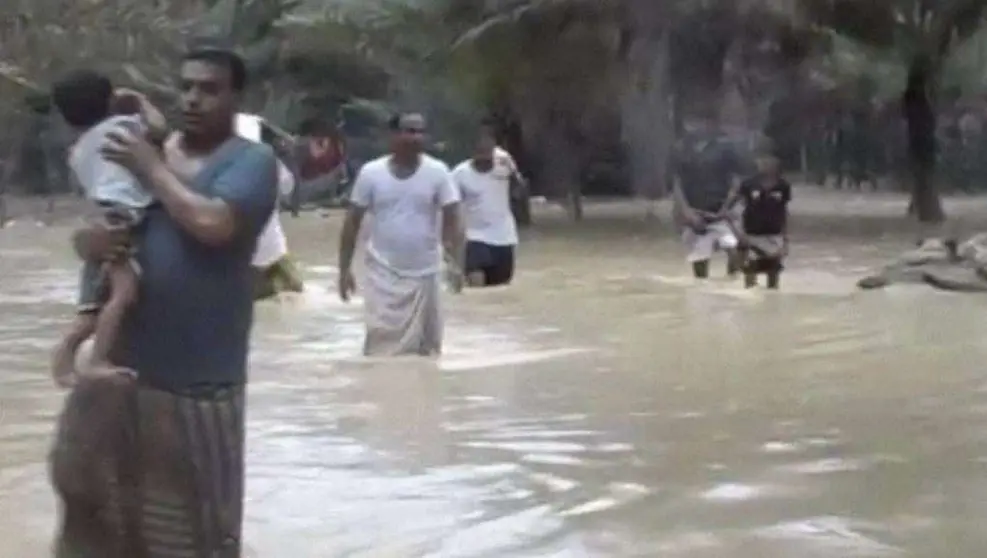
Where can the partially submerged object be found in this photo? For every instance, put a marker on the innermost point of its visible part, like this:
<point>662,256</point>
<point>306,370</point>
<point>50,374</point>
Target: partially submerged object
<point>942,264</point>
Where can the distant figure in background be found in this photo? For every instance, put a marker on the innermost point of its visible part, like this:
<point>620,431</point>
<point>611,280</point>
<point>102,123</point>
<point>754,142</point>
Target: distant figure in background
<point>485,183</point>
<point>707,169</point>
<point>275,270</point>
<point>87,102</point>
<point>765,198</point>
<point>414,207</point>
<point>322,171</point>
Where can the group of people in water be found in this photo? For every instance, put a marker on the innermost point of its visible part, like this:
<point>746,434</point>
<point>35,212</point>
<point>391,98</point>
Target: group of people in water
<point>148,459</point>
<point>420,209</point>
<point>720,205</point>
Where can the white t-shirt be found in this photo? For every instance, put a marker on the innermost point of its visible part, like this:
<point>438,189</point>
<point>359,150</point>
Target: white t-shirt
<point>487,200</point>
<point>406,214</point>
<point>272,244</point>
<point>101,180</point>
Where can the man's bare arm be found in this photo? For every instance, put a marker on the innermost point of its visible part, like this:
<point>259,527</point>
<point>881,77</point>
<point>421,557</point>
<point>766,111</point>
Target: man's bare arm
<point>519,185</point>
<point>732,196</point>
<point>210,220</point>
<point>154,119</point>
<point>347,239</point>
<point>680,202</point>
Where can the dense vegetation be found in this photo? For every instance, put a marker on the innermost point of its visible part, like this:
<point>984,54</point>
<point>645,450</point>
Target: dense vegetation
<point>591,94</point>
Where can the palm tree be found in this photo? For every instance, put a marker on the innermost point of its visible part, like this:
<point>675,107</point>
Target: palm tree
<point>923,33</point>
<point>568,58</point>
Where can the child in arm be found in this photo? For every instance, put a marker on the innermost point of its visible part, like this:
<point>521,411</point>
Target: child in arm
<point>107,289</point>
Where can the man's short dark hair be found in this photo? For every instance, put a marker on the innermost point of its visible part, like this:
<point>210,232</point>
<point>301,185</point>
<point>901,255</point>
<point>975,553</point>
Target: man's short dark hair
<point>223,57</point>
<point>394,122</point>
<point>83,97</point>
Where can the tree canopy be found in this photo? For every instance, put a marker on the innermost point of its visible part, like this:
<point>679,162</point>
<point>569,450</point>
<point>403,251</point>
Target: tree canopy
<point>587,90</point>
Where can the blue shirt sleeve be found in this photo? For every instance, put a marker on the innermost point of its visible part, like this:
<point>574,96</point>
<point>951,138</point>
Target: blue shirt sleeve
<point>250,186</point>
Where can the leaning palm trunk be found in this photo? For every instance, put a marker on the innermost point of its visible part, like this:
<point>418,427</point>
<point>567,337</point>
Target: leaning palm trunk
<point>921,119</point>
<point>646,113</point>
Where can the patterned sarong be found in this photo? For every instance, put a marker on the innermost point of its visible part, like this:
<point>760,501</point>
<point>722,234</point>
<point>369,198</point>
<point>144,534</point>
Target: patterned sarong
<point>143,473</point>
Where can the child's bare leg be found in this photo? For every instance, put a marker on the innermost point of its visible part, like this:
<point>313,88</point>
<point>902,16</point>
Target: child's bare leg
<point>63,363</point>
<point>123,293</point>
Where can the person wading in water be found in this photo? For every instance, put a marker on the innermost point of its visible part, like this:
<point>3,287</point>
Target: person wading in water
<point>411,198</point>
<point>158,470</point>
<point>707,170</point>
<point>485,182</point>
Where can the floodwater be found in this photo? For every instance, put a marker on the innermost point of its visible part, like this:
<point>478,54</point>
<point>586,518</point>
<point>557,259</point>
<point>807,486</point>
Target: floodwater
<point>601,407</point>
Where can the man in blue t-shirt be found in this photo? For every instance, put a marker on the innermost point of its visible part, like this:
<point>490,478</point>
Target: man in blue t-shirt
<point>166,451</point>
<point>707,168</point>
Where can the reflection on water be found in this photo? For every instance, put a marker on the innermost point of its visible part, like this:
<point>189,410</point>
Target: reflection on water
<point>603,407</point>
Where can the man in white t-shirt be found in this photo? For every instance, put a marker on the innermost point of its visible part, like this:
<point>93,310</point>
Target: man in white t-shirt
<point>485,183</point>
<point>415,210</point>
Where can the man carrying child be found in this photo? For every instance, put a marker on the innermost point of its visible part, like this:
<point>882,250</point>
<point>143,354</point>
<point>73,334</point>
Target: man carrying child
<point>161,472</point>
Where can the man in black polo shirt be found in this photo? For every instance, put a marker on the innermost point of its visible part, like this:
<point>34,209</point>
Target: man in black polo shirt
<point>765,219</point>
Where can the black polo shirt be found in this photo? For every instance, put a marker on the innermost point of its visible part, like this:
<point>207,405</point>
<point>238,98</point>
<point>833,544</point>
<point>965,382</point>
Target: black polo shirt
<point>765,206</point>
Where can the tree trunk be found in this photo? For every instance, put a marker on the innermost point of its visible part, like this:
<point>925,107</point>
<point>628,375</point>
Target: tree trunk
<point>561,174</point>
<point>646,116</point>
<point>552,156</point>
<point>513,142</point>
<point>5,178</point>
<point>919,106</point>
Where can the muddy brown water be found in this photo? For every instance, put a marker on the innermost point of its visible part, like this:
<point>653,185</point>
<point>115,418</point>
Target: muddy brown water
<point>603,406</point>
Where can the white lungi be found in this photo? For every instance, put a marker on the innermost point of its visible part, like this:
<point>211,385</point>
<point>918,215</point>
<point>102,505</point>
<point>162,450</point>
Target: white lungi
<point>403,314</point>
<point>717,236</point>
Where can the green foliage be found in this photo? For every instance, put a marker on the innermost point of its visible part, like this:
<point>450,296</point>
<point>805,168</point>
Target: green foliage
<point>909,27</point>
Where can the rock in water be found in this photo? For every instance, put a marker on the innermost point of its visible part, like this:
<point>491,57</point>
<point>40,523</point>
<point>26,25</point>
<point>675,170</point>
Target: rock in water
<point>876,281</point>
<point>930,250</point>
<point>974,250</point>
<point>956,279</point>
<point>935,262</point>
